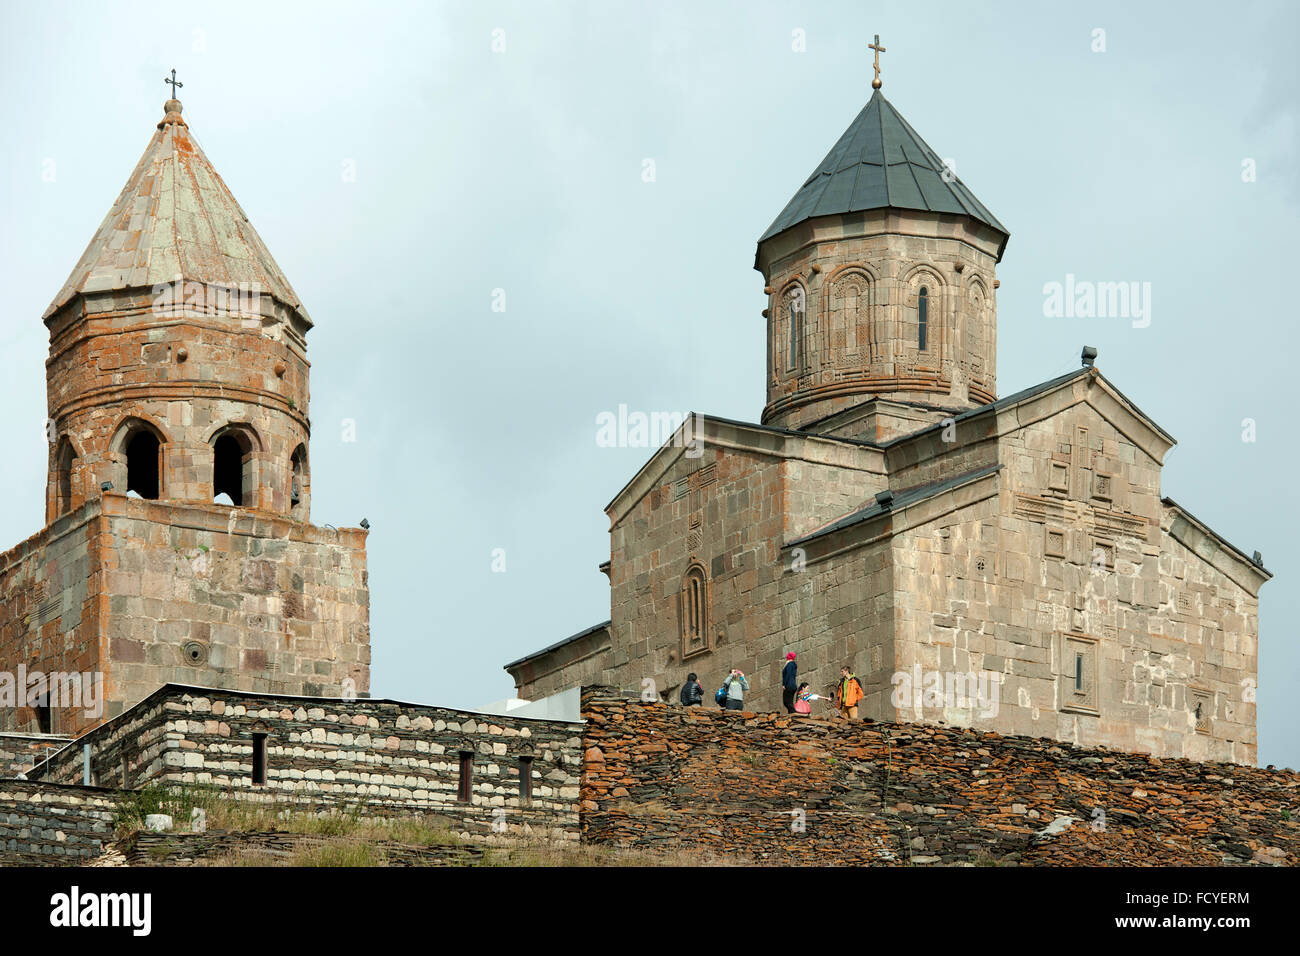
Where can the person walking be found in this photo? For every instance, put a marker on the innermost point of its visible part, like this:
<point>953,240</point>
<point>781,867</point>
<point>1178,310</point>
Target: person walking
<point>736,686</point>
<point>692,693</point>
<point>789,682</point>
<point>848,693</point>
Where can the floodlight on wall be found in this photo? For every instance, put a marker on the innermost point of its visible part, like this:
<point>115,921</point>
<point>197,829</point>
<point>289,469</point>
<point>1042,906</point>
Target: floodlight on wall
<point>1257,559</point>
<point>1089,356</point>
<point>365,524</point>
<point>885,499</point>
<point>105,486</point>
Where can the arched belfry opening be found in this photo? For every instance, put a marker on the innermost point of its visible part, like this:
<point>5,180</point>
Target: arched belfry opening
<point>234,466</point>
<point>144,465</point>
<point>298,480</point>
<point>65,461</point>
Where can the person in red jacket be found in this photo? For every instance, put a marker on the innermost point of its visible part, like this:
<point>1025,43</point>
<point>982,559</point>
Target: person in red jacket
<point>789,682</point>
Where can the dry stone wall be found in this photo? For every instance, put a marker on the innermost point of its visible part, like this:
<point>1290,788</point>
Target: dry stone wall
<point>782,789</point>
<point>20,752</point>
<point>49,824</point>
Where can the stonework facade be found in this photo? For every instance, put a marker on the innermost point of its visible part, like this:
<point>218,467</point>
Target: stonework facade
<point>489,774</point>
<point>178,544</point>
<point>1008,564</point>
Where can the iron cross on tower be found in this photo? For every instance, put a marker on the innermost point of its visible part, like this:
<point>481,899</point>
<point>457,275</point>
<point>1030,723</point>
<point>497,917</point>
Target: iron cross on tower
<point>177,83</point>
<point>875,84</point>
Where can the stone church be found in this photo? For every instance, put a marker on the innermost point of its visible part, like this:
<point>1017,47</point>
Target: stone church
<point>890,512</point>
<point>178,544</point>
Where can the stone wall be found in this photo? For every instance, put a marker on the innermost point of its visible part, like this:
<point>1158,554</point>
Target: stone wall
<point>385,756</point>
<point>781,789</point>
<point>53,824</point>
<point>200,594</point>
<point>50,613</point>
<point>20,752</point>
<point>144,592</point>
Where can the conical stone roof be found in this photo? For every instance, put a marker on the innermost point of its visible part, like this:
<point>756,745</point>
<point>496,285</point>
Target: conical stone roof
<point>880,163</point>
<point>175,217</point>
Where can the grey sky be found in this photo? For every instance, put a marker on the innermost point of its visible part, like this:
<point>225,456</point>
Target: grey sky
<point>522,170</point>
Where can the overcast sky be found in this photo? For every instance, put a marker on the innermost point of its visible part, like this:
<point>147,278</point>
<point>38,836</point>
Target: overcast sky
<point>522,170</point>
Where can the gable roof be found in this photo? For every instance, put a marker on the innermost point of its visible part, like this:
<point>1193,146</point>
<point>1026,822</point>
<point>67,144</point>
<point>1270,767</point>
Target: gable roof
<point>900,500</point>
<point>880,162</point>
<point>175,217</point>
<point>1033,391</point>
<point>558,644</point>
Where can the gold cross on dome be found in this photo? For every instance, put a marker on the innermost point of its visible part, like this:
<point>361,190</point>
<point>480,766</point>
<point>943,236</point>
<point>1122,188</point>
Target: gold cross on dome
<point>875,84</point>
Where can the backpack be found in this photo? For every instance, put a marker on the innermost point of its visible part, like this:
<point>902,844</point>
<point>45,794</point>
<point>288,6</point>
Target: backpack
<point>721,696</point>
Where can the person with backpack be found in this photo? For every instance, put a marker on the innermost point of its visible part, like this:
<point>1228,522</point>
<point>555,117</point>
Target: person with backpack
<point>692,693</point>
<point>848,693</point>
<point>734,688</point>
<point>789,682</point>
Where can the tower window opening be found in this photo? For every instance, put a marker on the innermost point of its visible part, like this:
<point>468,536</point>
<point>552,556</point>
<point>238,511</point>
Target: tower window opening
<point>796,332</point>
<point>297,476</point>
<point>44,713</point>
<point>227,469</point>
<point>64,463</point>
<point>923,317</point>
<point>142,453</point>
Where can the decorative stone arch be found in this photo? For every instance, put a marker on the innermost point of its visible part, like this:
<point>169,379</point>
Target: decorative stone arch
<point>236,449</point>
<point>849,337</point>
<point>136,457</point>
<point>977,330</point>
<point>934,308</point>
<point>790,331</point>
<point>66,459</point>
<point>695,607</point>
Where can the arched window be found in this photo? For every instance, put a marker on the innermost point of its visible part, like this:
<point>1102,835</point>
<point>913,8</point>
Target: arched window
<point>64,462</point>
<point>796,325</point>
<point>143,451</point>
<point>922,317</point>
<point>298,477</point>
<point>233,474</point>
<point>848,340</point>
<point>789,350</point>
<point>695,611</point>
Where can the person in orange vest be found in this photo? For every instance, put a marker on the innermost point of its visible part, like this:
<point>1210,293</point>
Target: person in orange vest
<point>848,693</point>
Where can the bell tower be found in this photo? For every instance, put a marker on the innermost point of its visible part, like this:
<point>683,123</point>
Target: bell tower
<point>178,360</point>
<point>880,276</point>
<point>178,545</point>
